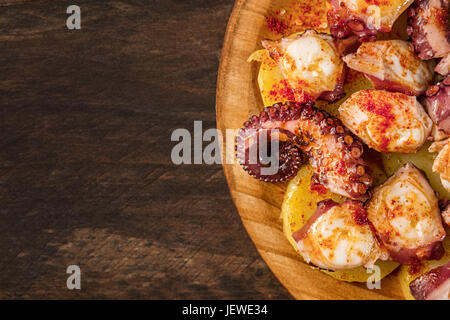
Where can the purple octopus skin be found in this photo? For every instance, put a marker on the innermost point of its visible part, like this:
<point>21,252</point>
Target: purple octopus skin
<point>444,205</point>
<point>433,285</point>
<point>333,151</point>
<point>338,92</point>
<point>343,24</point>
<point>443,67</point>
<point>363,19</point>
<point>428,28</point>
<point>437,103</point>
<point>289,157</point>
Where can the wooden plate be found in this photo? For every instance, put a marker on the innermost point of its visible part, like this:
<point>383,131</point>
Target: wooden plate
<point>259,203</point>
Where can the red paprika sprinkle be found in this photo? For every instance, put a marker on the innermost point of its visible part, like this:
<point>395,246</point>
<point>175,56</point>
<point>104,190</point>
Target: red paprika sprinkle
<point>415,268</point>
<point>318,188</point>
<point>276,26</point>
<point>360,217</point>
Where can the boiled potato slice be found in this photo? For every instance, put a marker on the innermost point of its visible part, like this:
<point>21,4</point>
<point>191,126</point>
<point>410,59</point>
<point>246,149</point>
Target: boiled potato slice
<point>271,82</point>
<point>300,203</point>
<point>406,277</point>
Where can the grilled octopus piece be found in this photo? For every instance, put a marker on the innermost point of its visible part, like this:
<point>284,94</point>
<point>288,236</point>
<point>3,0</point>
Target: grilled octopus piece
<point>405,214</point>
<point>428,28</point>
<point>445,211</point>
<point>363,18</point>
<point>386,121</point>
<point>443,67</point>
<point>433,285</point>
<point>441,164</point>
<point>334,152</point>
<point>338,236</point>
<point>311,64</point>
<point>392,65</point>
<point>289,156</point>
<point>437,103</point>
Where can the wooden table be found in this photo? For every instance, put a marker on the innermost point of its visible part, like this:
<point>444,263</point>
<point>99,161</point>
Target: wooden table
<point>85,171</point>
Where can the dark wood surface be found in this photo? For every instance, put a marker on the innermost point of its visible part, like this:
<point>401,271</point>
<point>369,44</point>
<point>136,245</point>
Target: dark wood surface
<point>85,171</point>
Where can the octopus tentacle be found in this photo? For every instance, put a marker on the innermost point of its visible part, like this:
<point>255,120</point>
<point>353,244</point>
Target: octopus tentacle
<point>341,28</point>
<point>333,151</point>
<point>289,157</point>
<point>363,19</point>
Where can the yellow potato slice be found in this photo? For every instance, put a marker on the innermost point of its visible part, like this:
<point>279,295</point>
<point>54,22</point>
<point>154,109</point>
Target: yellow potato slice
<point>272,85</point>
<point>300,203</point>
<point>406,277</point>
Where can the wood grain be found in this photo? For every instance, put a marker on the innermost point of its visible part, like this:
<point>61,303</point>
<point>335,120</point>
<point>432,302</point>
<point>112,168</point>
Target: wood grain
<point>85,170</point>
<point>259,203</point>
